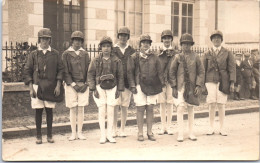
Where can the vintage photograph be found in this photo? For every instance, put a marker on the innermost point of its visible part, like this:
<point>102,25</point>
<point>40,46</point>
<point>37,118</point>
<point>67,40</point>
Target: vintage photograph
<point>130,80</point>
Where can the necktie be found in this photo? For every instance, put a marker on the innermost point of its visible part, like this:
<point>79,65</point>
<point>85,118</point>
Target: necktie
<point>216,51</point>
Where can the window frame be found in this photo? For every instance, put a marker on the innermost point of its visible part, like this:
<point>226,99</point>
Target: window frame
<point>126,17</point>
<point>180,16</point>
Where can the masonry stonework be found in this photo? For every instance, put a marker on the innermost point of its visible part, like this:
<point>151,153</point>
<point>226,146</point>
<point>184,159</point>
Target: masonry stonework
<point>22,30</point>
<point>99,21</point>
<point>157,14</point>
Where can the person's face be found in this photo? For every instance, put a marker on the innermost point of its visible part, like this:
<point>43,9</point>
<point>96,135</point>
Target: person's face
<point>167,40</point>
<point>77,42</point>
<point>106,48</point>
<point>145,45</point>
<point>45,42</point>
<point>122,38</point>
<point>186,47</point>
<point>216,40</point>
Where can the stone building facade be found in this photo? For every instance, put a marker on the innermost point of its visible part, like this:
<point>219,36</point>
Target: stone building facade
<point>23,18</point>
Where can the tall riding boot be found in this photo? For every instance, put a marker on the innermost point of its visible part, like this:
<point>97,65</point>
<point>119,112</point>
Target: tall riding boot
<point>221,114</point>
<point>163,119</point>
<point>115,121</point>
<point>49,119</point>
<point>102,123</point>
<point>191,123</point>
<point>110,121</point>
<point>73,112</point>
<point>38,120</point>
<point>123,121</point>
<point>212,114</point>
<point>80,122</point>
<point>180,110</point>
<point>140,121</point>
<point>236,96</point>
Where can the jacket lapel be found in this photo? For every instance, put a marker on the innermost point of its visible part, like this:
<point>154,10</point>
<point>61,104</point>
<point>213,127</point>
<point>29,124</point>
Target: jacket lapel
<point>129,51</point>
<point>221,51</point>
<point>72,53</point>
<point>118,52</point>
<point>81,53</point>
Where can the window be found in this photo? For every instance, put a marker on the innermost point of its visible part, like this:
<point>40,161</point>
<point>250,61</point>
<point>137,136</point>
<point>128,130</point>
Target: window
<point>130,13</point>
<point>120,14</point>
<point>181,18</point>
<point>135,17</point>
<point>69,20</point>
<point>63,17</point>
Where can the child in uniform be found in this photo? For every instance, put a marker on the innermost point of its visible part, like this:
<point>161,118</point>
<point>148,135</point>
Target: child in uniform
<point>186,79</point>
<point>146,82</point>
<point>166,55</point>
<point>76,62</point>
<point>123,51</point>
<point>43,65</point>
<point>106,80</point>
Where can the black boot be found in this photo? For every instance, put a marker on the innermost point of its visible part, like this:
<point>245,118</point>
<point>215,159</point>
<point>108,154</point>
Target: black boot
<point>236,96</point>
<point>38,120</point>
<point>49,119</point>
<point>252,93</point>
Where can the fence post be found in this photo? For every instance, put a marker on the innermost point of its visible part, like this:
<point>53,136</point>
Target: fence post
<point>6,53</point>
<point>17,50</point>
<point>94,50</point>
<point>11,59</point>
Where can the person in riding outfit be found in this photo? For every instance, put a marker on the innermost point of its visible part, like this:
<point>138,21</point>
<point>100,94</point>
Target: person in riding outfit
<point>44,65</point>
<point>76,62</point>
<point>106,80</point>
<point>186,79</point>
<point>145,77</point>
<point>166,56</point>
<point>123,51</point>
<point>220,69</point>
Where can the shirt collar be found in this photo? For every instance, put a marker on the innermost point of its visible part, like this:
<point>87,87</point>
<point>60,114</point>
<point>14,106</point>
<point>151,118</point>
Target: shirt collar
<point>117,45</point>
<point>144,55</point>
<point>39,48</point>
<point>164,49</point>
<point>215,48</point>
<point>72,49</point>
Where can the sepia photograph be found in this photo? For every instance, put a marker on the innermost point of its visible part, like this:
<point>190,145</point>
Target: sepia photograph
<point>130,80</point>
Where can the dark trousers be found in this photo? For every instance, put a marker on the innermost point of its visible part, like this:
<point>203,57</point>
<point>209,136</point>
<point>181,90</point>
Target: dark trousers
<point>38,120</point>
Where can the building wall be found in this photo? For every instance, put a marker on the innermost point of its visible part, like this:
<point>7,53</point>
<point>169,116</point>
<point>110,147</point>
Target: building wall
<point>238,20</point>
<point>22,20</point>
<point>204,21</point>
<point>99,20</point>
<point>5,30</point>
<point>157,17</point>
<point>241,20</point>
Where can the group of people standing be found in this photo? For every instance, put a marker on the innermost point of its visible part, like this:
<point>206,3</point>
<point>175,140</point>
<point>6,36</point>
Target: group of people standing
<point>247,71</point>
<point>169,77</point>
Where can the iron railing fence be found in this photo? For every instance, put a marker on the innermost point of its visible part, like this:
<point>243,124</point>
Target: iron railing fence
<point>14,57</point>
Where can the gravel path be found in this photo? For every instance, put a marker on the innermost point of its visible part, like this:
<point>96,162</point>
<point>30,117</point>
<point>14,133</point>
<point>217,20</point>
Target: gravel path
<point>90,115</point>
<point>242,143</point>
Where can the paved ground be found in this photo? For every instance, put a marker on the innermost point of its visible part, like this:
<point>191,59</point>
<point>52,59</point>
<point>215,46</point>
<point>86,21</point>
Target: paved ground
<point>242,143</point>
